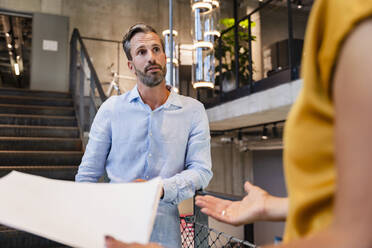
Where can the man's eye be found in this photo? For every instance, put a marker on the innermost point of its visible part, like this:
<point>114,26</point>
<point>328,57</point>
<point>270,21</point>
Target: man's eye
<point>156,49</point>
<point>141,52</point>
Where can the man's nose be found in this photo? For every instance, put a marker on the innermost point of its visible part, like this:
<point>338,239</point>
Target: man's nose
<point>151,56</point>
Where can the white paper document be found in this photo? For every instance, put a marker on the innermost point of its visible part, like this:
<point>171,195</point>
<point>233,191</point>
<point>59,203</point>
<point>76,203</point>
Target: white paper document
<point>79,214</point>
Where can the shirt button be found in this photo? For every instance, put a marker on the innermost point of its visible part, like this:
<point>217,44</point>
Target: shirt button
<point>150,155</point>
<point>150,133</point>
<point>147,177</point>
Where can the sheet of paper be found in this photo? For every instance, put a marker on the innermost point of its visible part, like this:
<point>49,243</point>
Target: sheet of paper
<point>79,214</point>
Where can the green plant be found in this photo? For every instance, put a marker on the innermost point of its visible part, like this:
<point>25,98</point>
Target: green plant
<point>227,51</point>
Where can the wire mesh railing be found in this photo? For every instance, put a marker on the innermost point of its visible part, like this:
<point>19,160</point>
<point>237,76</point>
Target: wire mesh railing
<point>187,231</point>
<point>207,237</point>
<point>220,239</point>
<point>196,232</point>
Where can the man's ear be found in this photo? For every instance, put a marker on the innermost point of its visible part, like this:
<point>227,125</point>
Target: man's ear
<point>131,66</point>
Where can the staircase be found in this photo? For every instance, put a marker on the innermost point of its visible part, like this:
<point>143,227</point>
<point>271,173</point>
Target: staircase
<point>38,135</point>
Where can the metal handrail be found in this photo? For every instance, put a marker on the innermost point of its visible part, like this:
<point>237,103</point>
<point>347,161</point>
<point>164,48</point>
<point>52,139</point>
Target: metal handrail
<point>76,35</point>
<point>84,65</point>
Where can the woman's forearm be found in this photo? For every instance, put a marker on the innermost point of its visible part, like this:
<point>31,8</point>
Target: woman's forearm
<point>275,208</point>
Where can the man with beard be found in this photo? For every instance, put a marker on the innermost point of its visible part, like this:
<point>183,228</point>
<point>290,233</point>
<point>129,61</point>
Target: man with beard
<point>148,132</point>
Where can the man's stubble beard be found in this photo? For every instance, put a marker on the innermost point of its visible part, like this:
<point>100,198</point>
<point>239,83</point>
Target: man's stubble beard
<point>153,79</point>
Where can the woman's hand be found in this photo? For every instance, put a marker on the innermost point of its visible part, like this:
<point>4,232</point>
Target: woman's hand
<point>256,205</point>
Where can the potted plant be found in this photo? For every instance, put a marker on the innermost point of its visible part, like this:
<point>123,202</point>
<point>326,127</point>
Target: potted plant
<point>227,53</point>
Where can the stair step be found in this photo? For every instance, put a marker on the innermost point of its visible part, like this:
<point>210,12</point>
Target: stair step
<point>60,172</point>
<point>39,120</point>
<point>41,101</point>
<point>36,110</point>
<point>11,238</point>
<point>8,158</point>
<point>35,93</point>
<point>38,131</point>
<point>3,228</point>
<point>38,136</point>
<point>40,144</point>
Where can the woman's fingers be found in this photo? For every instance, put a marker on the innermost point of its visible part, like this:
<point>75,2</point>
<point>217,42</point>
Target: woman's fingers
<point>248,186</point>
<point>213,204</point>
<point>216,208</point>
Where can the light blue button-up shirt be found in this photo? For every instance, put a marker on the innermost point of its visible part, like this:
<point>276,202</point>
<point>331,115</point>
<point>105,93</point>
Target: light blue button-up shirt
<point>131,141</point>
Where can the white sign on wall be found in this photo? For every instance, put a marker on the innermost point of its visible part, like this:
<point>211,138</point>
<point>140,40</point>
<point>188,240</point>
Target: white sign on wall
<point>50,45</point>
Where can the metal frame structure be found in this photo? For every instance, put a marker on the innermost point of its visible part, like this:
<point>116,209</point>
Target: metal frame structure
<point>281,77</point>
<point>82,69</point>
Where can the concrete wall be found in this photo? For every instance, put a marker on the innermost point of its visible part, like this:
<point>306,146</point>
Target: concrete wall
<point>110,20</point>
<point>231,168</point>
<point>268,174</point>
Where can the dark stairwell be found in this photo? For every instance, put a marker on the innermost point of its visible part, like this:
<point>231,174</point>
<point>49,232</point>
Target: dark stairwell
<point>38,135</point>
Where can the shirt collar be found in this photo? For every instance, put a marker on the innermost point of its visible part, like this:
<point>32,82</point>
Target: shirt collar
<point>173,98</point>
<point>134,94</point>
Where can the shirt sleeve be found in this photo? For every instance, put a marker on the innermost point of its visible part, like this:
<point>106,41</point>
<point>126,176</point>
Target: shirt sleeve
<point>92,166</point>
<point>198,165</point>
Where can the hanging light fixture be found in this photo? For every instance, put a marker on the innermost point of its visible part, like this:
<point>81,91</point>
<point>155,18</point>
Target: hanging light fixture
<point>203,44</point>
<point>168,47</point>
<point>211,24</point>
<point>299,4</point>
<point>211,32</point>
<point>216,3</point>
<point>203,52</point>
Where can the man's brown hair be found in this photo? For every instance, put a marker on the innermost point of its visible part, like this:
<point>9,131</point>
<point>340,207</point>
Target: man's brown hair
<point>137,28</point>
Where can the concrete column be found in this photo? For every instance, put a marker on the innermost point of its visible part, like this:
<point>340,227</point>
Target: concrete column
<point>231,168</point>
